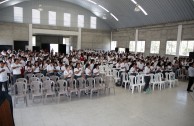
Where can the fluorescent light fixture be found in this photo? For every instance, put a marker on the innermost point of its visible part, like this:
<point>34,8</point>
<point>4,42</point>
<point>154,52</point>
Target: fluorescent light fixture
<point>103,8</point>
<point>92,1</point>
<point>142,10</point>
<point>134,1</point>
<point>114,16</point>
<point>3,1</point>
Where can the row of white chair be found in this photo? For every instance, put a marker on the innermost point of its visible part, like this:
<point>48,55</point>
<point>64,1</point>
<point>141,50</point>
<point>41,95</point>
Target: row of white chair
<point>61,87</point>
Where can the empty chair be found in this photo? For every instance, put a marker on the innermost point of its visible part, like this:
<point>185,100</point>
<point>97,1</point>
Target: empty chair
<point>82,86</point>
<point>158,81</point>
<point>62,77</point>
<point>48,87</point>
<point>28,76</point>
<point>140,81</point>
<point>33,79</point>
<point>39,75</point>
<point>22,80</point>
<point>62,84</point>
<point>98,85</point>
<point>116,76</point>
<point>54,78</point>
<point>45,78</point>
<point>125,79</point>
<point>171,79</point>
<point>20,88</point>
<point>36,89</point>
<point>72,88</point>
<point>109,84</point>
<point>109,73</point>
<point>133,83</point>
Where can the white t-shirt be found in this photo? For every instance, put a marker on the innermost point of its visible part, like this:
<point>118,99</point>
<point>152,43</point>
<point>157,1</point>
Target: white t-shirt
<point>146,70</point>
<point>96,71</point>
<point>88,72</point>
<point>60,68</point>
<point>76,70</point>
<point>70,72</point>
<point>132,70</point>
<point>36,69</point>
<point>17,70</point>
<point>50,68</point>
<point>28,69</point>
<point>3,75</point>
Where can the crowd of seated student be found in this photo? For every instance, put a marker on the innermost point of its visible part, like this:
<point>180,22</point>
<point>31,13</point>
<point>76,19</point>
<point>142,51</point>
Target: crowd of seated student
<point>83,63</point>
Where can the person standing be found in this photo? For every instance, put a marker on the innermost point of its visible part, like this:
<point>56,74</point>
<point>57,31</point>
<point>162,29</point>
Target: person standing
<point>16,67</point>
<point>3,77</point>
<point>146,77</point>
<point>191,76</point>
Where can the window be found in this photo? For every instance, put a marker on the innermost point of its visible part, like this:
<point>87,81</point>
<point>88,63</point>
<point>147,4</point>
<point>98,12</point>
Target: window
<point>33,40</point>
<point>80,21</point>
<point>18,14</point>
<point>132,46</point>
<point>67,19</point>
<point>113,45</point>
<point>171,47</point>
<point>186,47</point>
<point>52,18</point>
<point>66,41</point>
<point>141,46</point>
<point>35,16</point>
<point>155,47</point>
<point>93,22</point>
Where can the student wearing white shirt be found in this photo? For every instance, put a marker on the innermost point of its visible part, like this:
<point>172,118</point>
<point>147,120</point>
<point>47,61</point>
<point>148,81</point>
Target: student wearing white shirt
<point>191,77</point>
<point>88,71</point>
<point>50,69</point>
<point>96,70</point>
<point>146,77</point>
<point>68,73</point>
<point>36,67</point>
<point>60,69</point>
<point>16,67</point>
<point>133,69</point>
<point>77,71</point>
<point>3,77</point>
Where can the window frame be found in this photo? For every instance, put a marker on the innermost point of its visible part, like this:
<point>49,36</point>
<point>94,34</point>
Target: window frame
<point>154,47</point>
<point>35,18</point>
<point>18,16</point>
<point>51,19</point>
<point>80,24</point>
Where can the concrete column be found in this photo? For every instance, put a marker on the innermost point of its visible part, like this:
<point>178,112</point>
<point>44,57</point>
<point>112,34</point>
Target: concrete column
<point>136,40</point>
<point>179,37</point>
<point>30,37</point>
<point>79,39</point>
<point>110,39</point>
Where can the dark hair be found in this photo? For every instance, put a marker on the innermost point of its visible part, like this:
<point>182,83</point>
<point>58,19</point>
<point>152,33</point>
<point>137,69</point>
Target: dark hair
<point>87,65</point>
<point>95,66</point>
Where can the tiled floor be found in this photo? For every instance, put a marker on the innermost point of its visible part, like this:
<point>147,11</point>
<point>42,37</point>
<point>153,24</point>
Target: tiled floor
<point>169,107</point>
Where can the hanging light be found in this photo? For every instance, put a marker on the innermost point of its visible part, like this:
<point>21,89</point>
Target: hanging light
<point>137,9</point>
<point>40,7</point>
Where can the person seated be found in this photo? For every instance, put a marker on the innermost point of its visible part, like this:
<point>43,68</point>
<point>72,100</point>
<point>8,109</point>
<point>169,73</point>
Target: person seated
<point>96,71</point>
<point>68,73</point>
<point>60,69</point>
<point>77,71</point>
<point>88,71</point>
<point>50,69</point>
<point>36,67</point>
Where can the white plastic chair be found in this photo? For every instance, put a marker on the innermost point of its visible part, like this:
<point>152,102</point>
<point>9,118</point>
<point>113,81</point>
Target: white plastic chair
<point>36,89</point>
<point>45,78</point>
<point>72,88</point>
<point>39,75</point>
<point>140,81</point>
<point>22,80</point>
<point>109,84</point>
<point>116,76</point>
<point>82,86</point>
<point>20,88</point>
<point>48,87</point>
<point>62,88</point>
<point>133,83</point>
<point>125,79</point>
<point>54,78</point>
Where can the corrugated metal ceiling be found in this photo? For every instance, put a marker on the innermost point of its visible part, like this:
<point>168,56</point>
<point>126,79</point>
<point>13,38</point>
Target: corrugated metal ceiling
<point>159,11</point>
